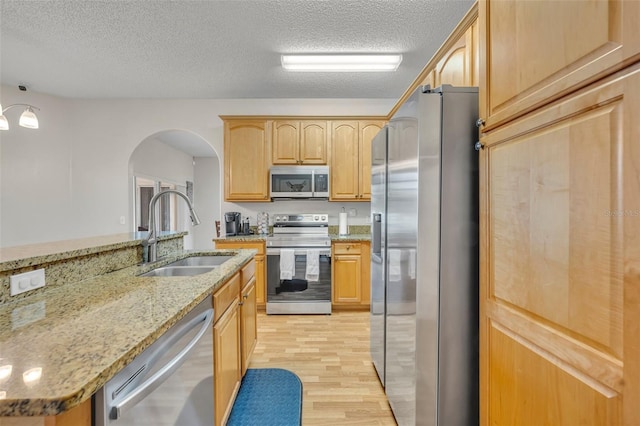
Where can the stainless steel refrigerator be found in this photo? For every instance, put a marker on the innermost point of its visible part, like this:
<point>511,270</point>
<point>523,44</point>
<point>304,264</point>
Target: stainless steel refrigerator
<point>424,262</point>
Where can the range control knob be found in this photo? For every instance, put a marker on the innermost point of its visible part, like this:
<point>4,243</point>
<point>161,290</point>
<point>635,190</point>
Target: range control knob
<point>284,218</point>
<point>324,217</point>
<point>316,217</point>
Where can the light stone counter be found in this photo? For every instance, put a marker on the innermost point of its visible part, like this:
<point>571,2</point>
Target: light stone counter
<point>75,337</point>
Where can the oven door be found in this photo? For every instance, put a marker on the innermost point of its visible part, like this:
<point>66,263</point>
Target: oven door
<point>299,295</point>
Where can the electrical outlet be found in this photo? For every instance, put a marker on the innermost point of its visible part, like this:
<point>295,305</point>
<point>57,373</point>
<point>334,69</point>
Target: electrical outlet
<point>27,281</point>
<point>353,212</point>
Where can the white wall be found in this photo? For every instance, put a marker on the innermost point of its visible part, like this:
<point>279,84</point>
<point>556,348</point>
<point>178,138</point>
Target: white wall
<point>70,179</point>
<point>156,160</point>
<point>207,191</point>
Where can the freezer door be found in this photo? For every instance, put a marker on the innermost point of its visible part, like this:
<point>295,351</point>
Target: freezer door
<point>402,186</point>
<point>378,249</point>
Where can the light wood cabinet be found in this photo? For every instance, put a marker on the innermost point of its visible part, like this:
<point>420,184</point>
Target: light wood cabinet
<point>351,159</point>
<point>227,362</point>
<point>248,313</point>
<point>350,275</point>
<point>538,51</point>
<point>261,264</point>
<point>246,160</point>
<point>299,142</point>
<point>458,66</point>
<point>559,214</point>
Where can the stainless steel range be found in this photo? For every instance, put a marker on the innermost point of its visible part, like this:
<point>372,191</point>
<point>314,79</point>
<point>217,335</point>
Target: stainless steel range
<point>299,265</point>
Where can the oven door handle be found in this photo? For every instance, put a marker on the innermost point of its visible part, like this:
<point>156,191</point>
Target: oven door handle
<point>151,384</point>
<point>299,252</point>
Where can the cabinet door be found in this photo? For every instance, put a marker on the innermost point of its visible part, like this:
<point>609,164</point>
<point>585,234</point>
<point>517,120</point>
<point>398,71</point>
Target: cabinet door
<point>533,52</point>
<point>313,142</point>
<point>226,362</point>
<point>368,130</point>
<point>249,328</point>
<point>246,165</point>
<point>345,152</point>
<point>560,261</point>
<point>261,274</point>
<point>347,279</point>
<point>455,66</point>
<point>285,142</point>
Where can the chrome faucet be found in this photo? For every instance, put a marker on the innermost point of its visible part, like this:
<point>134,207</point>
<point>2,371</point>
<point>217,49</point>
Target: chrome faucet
<point>152,238</point>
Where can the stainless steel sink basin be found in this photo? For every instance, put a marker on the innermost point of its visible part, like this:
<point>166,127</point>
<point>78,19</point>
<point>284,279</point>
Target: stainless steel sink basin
<point>201,261</point>
<point>178,271</point>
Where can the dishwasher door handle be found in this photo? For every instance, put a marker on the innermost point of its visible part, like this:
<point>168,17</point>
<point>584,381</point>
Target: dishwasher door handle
<point>151,384</point>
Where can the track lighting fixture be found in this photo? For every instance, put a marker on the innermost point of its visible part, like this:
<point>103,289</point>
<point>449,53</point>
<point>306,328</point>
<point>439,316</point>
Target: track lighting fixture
<point>28,118</point>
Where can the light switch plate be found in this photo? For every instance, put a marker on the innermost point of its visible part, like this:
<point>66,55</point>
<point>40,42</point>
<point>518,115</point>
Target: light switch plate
<point>27,281</point>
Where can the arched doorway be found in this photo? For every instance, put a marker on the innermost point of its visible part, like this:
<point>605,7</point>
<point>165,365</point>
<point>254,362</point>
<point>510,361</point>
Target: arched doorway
<point>182,160</point>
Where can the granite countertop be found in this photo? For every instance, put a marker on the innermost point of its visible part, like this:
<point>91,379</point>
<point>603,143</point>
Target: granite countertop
<point>334,237</point>
<point>33,254</point>
<point>75,337</point>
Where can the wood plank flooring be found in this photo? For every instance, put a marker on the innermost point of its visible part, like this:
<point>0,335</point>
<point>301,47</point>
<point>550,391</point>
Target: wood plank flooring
<point>330,354</point>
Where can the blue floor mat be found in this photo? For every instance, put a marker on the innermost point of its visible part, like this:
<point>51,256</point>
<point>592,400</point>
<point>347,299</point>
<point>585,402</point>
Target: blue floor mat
<point>268,397</point>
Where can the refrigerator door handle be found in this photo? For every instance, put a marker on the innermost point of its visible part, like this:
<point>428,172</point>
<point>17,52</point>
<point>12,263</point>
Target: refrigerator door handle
<point>376,237</point>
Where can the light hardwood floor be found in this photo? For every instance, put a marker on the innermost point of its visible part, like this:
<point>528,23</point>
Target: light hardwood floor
<point>330,354</point>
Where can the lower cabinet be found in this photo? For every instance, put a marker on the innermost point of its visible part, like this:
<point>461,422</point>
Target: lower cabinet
<point>261,264</point>
<point>234,337</point>
<point>248,312</point>
<point>248,323</point>
<point>351,275</point>
<point>226,356</point>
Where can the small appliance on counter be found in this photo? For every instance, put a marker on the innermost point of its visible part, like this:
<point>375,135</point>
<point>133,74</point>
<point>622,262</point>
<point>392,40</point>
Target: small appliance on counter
<point>246,227</point>
<point>232,224</point>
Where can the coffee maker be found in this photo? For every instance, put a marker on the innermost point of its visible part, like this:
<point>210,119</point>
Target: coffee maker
<point>232,223</point>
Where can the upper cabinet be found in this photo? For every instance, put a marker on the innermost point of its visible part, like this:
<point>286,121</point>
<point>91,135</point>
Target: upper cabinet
<point>246,160</point>
<point>538,51</point>
<point>299,142</point>
<point>253,144</point>
<point>351,159</point>
<point>459,65</point>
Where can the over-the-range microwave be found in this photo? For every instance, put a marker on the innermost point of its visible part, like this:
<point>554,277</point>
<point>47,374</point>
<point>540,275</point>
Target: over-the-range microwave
<point>299,182</point>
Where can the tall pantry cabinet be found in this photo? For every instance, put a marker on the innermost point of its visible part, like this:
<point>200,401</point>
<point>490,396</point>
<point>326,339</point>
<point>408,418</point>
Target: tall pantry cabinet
<point>560,212</point>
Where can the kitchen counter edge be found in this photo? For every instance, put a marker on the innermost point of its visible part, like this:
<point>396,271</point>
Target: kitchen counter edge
<point>117,306</point>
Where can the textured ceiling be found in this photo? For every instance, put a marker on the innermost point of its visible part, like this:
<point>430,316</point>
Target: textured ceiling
<point>214,49</point>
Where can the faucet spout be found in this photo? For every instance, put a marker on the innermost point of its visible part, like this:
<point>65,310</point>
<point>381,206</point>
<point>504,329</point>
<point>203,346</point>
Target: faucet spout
<point>152,238</point>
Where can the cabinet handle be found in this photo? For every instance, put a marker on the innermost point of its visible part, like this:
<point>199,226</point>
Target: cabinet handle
<point>479,122</point>
<point>245,296</point>
<point>241,303</point>
<point>478,146</point>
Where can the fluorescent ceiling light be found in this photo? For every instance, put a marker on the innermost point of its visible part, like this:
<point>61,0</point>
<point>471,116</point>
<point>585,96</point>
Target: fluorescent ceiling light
<point>341,63</point>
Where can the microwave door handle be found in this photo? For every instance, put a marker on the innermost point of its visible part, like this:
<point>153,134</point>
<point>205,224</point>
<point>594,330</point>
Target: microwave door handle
<point>151,384</point>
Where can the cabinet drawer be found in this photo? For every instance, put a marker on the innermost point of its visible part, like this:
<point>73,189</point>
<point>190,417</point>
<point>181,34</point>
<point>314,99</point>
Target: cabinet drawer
<point>347,248</point>
<point>248,271</point>
<point>259,246</point>
<point>224,297</point>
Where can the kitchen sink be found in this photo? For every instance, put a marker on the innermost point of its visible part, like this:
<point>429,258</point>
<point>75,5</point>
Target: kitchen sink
<point>178,271</point>
<point>201,261</point>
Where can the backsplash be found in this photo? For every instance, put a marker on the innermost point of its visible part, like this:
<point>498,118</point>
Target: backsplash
<point>361,211</point>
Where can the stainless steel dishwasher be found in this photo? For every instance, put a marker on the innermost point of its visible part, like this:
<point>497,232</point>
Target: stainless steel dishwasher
<point>169,383</point>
